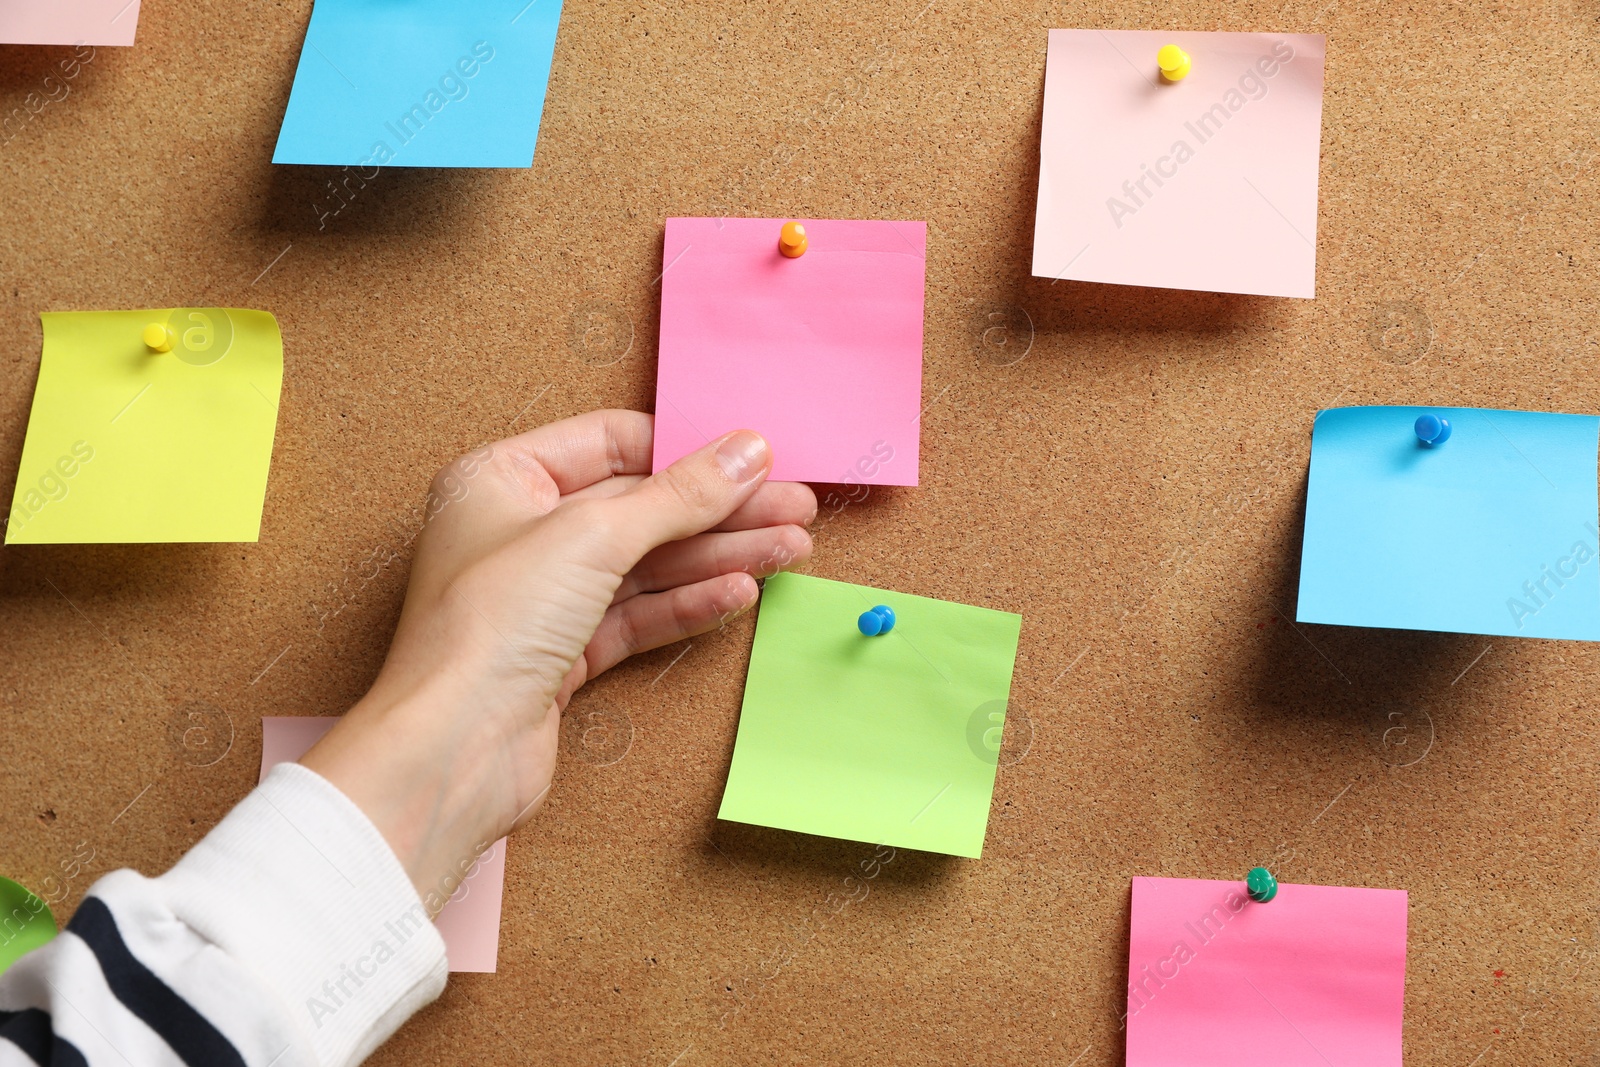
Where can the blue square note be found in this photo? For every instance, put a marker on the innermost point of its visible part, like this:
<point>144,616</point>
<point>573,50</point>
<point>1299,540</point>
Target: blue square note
<point>1492,531</point>
<point>420,83</point>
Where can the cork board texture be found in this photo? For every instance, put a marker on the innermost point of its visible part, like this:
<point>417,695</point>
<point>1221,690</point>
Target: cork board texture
<point>1124,467</point>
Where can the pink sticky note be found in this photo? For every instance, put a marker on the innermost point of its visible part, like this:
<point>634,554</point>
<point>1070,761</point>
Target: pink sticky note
<point>1208,183</point>
<point>470,922</point>
<point>821,354</point>
<point>91,22</point>
<point>1314,977</point>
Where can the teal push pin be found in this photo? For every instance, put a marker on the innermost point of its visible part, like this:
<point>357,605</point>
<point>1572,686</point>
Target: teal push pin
<point>876,622</point>
<point>1432,431</point>
<point>1260,884</point>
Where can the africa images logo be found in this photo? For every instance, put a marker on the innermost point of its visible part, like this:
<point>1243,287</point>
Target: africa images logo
<point>1538,591</point>
<point>1203,127</point>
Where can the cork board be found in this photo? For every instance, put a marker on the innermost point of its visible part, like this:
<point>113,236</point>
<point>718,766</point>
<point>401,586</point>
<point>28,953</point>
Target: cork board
<point>1124,467</point>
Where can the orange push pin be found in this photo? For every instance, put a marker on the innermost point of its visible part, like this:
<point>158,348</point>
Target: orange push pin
<point>792,240</point>
<point>158,337</point>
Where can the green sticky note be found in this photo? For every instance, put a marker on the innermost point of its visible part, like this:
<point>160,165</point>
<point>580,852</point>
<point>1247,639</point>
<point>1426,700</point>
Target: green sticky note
<point>25,922</point>
<point>888,740</point>
<point>128,444</point>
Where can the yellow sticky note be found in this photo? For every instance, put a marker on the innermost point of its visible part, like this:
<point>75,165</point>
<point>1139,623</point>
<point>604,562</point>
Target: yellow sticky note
<point>128,444</point>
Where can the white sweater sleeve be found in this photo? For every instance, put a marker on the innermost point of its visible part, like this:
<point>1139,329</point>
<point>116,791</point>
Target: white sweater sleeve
<point>289,936</point>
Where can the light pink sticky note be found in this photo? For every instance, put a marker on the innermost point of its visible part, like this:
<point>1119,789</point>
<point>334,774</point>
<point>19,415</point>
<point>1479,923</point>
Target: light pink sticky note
<point>91,22</point>
<point>1208,183</point>
<point>1314,977</point>
<point>470,922</point>
<point>821,354</point>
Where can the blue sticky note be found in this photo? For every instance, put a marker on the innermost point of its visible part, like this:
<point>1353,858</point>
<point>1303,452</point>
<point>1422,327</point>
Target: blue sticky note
<point>420,83</point>
<point>1491,532</point>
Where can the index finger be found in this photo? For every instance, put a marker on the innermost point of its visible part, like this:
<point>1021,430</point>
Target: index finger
<point>587,448</point>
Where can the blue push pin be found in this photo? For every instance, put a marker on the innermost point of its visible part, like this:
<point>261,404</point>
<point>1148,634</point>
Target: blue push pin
<point>1432,431</point>
<point>880,620</point>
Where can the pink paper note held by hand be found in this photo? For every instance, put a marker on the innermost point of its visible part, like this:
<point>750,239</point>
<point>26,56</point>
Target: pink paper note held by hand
<point>818,351</point>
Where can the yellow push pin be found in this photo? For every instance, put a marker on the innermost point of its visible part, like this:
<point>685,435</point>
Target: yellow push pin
<point>792,240</point>
<point>1174,63</point>
<point>158,337</point>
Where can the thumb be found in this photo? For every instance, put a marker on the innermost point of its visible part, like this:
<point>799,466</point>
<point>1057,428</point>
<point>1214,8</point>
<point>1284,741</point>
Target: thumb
<point>694,494</point>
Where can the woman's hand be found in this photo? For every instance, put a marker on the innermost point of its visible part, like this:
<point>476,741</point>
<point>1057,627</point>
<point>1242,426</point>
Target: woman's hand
<point>548,558</point>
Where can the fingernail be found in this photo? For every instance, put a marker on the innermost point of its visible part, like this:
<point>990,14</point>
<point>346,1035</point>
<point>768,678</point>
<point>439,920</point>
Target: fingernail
<point>742,455</point>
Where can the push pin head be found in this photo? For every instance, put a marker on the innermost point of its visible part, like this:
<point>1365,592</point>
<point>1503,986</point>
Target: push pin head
<point>1432,430</point>
<point>879,620</point>
<point>1260,884</point>
<point>158,337</point>
<point>792,240</point>
<point>1174,63</point>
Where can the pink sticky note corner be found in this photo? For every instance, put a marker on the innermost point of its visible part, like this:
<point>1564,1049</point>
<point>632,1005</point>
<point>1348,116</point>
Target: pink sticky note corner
<point>1209,183</point>
<point>470,922</point>
<point>80,22</point>
<point>821,354</point>
<point>1313,977</point>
